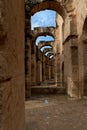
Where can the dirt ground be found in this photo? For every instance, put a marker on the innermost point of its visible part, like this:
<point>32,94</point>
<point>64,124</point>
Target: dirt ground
<point>55,112</point>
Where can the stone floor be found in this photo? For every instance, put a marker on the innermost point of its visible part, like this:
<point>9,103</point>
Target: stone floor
<point>55,112</point>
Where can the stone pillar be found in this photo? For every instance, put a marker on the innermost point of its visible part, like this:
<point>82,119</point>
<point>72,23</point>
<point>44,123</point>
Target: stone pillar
<point>58,69</point>
<point>71,65</point>
<point>5,89</point>
<point>75,73</point>
<point>58,65</point>
<point>39,72</point>
<point>58,51</point>
<point>47,68</point>
<point>39,67</point>
<point>83,60</point>
<point>44,68</point>
<point>83,66</point>
<point>33,64</point>
<point>28,68</point>
<point>12,73</point>
<point>52,69</point>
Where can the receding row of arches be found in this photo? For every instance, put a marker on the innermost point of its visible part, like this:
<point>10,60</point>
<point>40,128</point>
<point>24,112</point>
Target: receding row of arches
<point>26,62</point>
<point>54,49</point>
<point>46,44</point>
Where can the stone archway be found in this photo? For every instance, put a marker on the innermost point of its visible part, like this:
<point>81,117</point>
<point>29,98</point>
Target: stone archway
<point>41,5</point>
<point>43,31</point>
<point>42,44</point>
<point>35,6</point>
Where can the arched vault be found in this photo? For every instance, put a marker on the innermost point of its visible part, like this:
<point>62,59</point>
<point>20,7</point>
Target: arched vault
<point>43,43</point>
<point>44,31</point>
<point>46,4</point>
<point>49,53</point>
<point>46,50</point>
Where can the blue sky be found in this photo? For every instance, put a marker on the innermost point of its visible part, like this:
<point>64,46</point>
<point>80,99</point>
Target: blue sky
<point>43,19</point>
<point>44,38</point>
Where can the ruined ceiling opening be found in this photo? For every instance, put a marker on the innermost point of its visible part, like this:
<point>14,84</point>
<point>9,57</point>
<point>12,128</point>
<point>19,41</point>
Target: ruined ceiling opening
<point>48,4</point>
<point>44,39</point>
<point>43,18</point>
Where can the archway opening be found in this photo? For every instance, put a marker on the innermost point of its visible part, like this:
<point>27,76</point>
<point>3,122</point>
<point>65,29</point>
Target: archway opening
<point>47,38</point>
<point>45,18</point>
<point>45,48</point>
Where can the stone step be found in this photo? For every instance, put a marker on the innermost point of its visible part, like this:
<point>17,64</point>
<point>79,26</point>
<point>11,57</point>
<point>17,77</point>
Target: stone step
<point>48,89</point>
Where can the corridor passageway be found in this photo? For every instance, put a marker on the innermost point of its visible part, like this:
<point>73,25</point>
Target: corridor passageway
<point>43,68</point>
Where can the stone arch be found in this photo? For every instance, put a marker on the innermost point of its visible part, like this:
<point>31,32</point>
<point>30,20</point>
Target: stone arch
<point>44,34</point>
<point>46,46</point>
<point>46,49</point>
<point>42,41</point>
<point>42,44</point>
<point>49,53</point>
<point>53,5</point>
<point>51,56</point>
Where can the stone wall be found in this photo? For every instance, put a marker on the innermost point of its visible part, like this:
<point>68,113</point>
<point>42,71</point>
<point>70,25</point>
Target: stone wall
<point>12,65</point>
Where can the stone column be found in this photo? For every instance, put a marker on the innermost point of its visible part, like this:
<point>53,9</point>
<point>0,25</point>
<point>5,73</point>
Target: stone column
<point>52,69</point>
<point>33,64</point>
<point>39,72</point>
<point>44,67</point>
<point>83,66</point>
<point>12,73</point>
<point>47,68</point>
<point>71,65</point>
<point>58,51</point>
<point>28,68</point>
<point>74,84</point>
<point>75,72</point>
<point>55,68</point>
<point>39,67</point>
